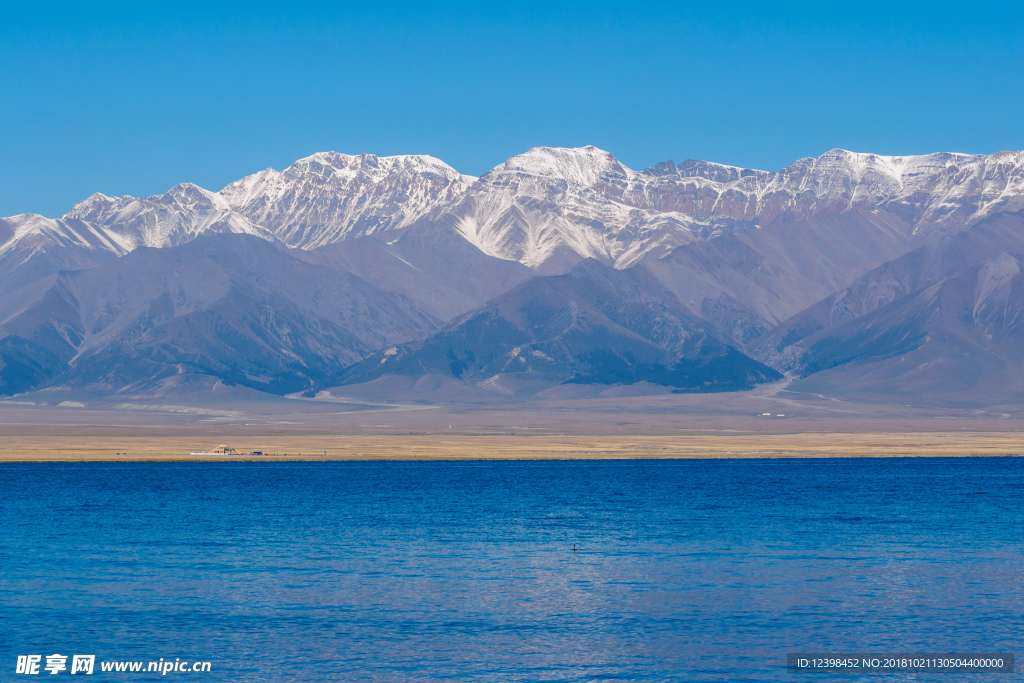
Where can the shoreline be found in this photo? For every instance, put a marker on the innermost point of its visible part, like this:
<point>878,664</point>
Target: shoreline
<point>364,447</point>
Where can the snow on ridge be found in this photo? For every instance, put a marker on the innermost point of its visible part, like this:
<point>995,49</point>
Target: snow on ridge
<point>548,199</point>
<point>840,180</point>
<point>179,215</point>
<point>332,171</point>
<point>581,165</point>
<point>584,200</point>
<point>374,166</point>
<point>29,227</point>
<point>835,180</point>
<point>328,196</point>
<point>707,170</point>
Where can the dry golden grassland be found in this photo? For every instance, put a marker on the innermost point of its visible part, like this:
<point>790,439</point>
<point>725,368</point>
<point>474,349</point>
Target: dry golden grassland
<point>37,448</point>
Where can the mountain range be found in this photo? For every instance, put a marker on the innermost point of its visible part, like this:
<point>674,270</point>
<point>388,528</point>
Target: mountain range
<point>871,277</point>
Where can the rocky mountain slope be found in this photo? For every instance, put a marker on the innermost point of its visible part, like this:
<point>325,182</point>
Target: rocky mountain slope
<point>748,281</point>
<point>440,272</point>
<point>959,341</point>
<point>944,319</point>
<point>34,247</point>
<point>233,307</point>
<point>593,325</point>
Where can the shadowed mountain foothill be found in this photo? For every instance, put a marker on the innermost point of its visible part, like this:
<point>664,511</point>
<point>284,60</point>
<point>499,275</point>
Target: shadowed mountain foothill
<point>942,323</point>
<point>230,306</point>
<point>593,325</point>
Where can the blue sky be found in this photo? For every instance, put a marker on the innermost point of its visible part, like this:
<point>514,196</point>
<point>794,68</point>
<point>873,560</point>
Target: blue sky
<point>133,98</point>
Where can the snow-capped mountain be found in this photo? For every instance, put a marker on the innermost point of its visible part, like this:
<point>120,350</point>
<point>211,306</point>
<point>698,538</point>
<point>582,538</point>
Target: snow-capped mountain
<point>178,216</point>
<point>933,191</point>
<point>66,232</point>
<point>390,248</point>
<point>328,197</point>
<point>324,198</point>
<point>550,207</point>
<point>553,207</point>
<point>545,203</point>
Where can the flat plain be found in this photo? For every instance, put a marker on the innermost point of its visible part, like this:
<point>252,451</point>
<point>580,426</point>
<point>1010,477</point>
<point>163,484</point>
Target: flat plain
<point>748,425</point>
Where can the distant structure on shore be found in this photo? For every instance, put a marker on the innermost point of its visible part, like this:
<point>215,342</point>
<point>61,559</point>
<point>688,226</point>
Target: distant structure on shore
<point>224,450</point>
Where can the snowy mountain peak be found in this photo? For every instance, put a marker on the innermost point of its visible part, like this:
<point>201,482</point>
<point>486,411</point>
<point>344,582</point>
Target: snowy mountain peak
<point>97,201</point>
<point>328,196</point>
<point>586,166</point>
<point>100,208</point>
<point>163,220</point>
<point>191,194</point>
<point>375,167</point>
<point>29,231</point>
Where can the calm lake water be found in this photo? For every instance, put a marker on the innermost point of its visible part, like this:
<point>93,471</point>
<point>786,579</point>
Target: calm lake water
<point>687,570</point>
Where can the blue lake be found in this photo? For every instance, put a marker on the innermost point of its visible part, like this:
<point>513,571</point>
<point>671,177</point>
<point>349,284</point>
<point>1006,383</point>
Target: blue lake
<point>686,570</point>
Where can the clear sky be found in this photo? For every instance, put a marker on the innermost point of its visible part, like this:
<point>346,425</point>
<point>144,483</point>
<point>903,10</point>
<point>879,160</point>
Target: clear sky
<point>133,98</point>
